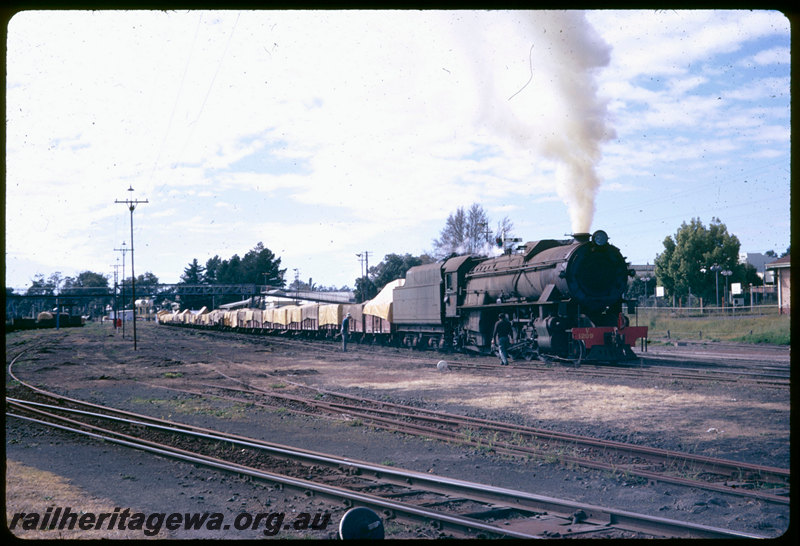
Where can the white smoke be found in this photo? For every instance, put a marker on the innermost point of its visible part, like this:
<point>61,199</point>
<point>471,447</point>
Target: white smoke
<point>578,51</point>
<point>548,102</point>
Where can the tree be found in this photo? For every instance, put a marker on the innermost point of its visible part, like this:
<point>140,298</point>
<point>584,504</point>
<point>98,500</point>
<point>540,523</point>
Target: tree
<point>41,287</point>
<point>229,270</point>
<point>695,248</point>
<point>260,266</point>
<point>193,273</point>
<point>465,232</point>
<point>395,267</point>
<point>212,270</point>
<point>751,276</point>
<point>146,285</point>
<point>468,232</point>
<point>505,228</point>
<point>365,289</point>
<point>87,283</point>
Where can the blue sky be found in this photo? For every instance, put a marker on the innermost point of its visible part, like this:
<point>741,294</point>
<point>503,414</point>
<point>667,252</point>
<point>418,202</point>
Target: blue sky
<point>326,134</point>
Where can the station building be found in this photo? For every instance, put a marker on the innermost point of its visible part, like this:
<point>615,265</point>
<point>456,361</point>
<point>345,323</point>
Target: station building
<point>781,268</point>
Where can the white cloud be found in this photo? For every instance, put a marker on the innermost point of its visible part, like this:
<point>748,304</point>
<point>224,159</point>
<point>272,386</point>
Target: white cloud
<point>775,55</point>
<point>387,121</point>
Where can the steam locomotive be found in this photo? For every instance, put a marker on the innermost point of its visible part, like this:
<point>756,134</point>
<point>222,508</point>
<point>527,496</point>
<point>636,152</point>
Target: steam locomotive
<point>564,298</point>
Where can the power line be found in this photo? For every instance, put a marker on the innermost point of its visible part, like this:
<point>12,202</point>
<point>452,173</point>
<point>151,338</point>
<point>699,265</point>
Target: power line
<point>131,204</point>
<point>177,97</point>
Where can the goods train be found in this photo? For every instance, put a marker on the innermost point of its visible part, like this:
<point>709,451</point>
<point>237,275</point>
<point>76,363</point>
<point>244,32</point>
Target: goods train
<point>564,298</point>
<point>45,319</point>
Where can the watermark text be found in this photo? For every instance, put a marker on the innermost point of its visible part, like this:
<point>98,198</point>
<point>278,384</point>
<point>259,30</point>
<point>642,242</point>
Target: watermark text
<point>61,518</point>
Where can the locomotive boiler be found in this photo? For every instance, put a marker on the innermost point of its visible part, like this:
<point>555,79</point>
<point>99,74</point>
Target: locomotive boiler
<point>564,298</point>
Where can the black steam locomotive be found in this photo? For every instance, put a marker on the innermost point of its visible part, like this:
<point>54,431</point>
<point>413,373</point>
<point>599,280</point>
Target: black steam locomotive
<point>564,299</point>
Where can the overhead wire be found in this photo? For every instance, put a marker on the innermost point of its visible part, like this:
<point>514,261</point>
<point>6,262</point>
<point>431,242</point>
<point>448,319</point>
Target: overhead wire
<point>177,98</point>
<point>193,124</point>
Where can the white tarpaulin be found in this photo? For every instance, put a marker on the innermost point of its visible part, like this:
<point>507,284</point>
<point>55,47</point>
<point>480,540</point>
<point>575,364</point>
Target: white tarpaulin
<point>381,305</point>
<point>330,314</point>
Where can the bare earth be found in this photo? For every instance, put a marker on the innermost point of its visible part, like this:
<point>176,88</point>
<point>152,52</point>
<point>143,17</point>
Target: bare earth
<point>47,468</point>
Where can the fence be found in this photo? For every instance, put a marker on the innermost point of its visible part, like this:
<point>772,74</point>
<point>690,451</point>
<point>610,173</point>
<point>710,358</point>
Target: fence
<point>709,312</point>
<point>756,324</point>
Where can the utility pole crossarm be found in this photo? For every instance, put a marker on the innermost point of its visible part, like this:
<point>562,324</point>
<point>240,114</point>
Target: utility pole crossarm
<point>131,204</point>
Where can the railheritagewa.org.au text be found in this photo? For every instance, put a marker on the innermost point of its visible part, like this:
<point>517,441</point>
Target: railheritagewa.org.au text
<point>65,518</point>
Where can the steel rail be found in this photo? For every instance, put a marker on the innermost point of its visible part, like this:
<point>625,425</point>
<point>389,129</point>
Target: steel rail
<point>711,464</point>
<point>603,517</point>
<point>459,524</point>
<point>482,422</point>
<point>516,450</point>
<point>47,393</point>
<point>652,370</point>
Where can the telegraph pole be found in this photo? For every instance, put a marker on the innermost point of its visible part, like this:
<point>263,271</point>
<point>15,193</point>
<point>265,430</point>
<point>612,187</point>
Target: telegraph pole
<point>363,257</point>
<point>131,203</point>
<point>116,267</point>
<point>116,316</point>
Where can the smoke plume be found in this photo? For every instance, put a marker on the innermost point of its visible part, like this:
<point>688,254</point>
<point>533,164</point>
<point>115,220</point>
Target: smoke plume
<point>578,51</point>
<point>556,112</point>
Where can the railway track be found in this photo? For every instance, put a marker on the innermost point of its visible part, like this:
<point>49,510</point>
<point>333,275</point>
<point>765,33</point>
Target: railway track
<point>662,366</point>
<point>647,464</point>
<point>476,432</point>
<point>452,506</point>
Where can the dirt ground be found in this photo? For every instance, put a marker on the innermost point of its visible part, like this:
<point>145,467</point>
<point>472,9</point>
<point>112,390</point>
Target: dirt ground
<point>47,468</point>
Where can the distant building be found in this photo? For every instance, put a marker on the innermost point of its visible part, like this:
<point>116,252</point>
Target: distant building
<point>642,271</point>
<point>124,315</point>
<point>782,270</point>
<point>757,260</point>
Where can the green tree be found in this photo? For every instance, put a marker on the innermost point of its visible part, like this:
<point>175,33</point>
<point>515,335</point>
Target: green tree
<point>685,266</point>
<point>229,271</point>
<point>87,283</point>
<point>41,287</point>
<point>261,266</point>
<point>212,270</point>
<point>395,266</point>
<point>147,285</point>
<point>639,288</point>
<point>30,307</point>
<point>365,289</point>
<point>193,273</point>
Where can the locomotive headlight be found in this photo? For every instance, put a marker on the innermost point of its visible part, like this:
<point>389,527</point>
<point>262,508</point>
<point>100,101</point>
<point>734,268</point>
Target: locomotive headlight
<point>600,237</point>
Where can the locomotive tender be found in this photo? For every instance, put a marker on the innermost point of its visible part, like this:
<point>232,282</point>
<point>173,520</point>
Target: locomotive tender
<point>564,299</point>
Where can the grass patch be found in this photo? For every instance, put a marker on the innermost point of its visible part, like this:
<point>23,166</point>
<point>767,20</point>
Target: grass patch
<point>773,330</point>
<point>196,406</point>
